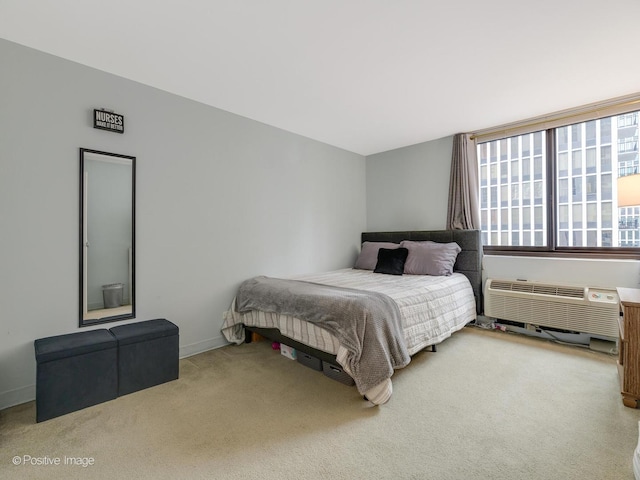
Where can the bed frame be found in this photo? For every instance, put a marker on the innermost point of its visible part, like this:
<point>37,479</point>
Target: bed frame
<point>469,263</point>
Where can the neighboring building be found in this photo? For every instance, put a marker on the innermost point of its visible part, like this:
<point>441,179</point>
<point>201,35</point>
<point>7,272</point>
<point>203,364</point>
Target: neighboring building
<point>590,156</point>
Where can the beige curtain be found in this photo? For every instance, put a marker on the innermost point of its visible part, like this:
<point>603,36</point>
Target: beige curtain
<point>464,208</point>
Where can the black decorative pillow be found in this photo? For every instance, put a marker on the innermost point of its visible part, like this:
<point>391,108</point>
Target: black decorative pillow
<point>391,261</point>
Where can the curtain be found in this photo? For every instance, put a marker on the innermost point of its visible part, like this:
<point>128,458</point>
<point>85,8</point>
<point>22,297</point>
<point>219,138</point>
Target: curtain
<point>464,210</point>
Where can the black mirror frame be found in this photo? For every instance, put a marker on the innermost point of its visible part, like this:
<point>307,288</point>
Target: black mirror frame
<point>132,287</point>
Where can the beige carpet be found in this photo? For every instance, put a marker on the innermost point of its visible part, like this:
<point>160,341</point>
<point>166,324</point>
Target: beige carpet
<point>487,405</point>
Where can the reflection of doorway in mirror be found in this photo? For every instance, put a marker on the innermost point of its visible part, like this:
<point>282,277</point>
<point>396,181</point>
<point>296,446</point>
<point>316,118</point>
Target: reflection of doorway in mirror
<point>107,233</point>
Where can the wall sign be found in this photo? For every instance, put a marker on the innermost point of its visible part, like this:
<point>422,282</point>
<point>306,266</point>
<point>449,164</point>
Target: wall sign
<point>104,120</point>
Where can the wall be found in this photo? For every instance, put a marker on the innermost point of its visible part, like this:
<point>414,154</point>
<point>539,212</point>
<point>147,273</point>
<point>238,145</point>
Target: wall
<point>407,189</point>
<point>219,198</point>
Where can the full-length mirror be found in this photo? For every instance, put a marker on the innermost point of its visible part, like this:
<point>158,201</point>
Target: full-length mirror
<point>107,237</point>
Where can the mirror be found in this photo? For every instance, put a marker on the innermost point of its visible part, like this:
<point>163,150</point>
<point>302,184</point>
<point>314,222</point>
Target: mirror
<point>107,237</point>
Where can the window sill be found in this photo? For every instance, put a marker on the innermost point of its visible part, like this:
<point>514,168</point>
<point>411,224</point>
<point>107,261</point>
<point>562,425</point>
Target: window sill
<point>627,254</point>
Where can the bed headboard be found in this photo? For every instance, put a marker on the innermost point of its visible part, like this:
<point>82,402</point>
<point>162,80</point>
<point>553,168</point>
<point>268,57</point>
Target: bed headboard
<point>469,261</point>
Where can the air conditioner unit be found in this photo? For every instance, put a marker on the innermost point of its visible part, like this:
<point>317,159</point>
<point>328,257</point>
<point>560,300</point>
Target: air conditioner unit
<point>565,307</point>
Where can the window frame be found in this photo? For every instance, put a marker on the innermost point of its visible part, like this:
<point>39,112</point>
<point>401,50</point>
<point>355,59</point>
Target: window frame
<point>552,249</point>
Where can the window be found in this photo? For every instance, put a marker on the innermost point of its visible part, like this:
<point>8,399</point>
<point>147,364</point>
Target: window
<point>557,189</point>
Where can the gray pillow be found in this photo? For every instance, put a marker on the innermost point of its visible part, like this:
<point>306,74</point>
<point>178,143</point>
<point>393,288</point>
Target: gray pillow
<point>430,258</point>
<point>368,257</point>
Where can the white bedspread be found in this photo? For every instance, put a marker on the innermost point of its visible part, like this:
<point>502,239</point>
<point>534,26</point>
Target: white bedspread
<point>432,308</point>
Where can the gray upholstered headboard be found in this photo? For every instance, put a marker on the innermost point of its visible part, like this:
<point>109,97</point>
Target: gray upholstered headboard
<point>469,260</point>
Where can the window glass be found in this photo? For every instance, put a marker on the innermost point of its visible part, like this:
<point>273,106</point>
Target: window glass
<point>504,172</point>
<point>563,164</point>
<point>515,218</point>
<point>592,215</point>
<point>606,184</point>
<point>605,159</point>
<point>515,194</point>
<point>591,183</point>
<point>563,217</point>
<point>577,216</point>
<point>526,193</point>
<point>503,149</point>
<point>590,133</point>
<point>504,195</point>
<point>591,160</point>
<point>562,138</point>
<point>526,218</point>
<point>576,135</point>
<point>515,170</point>
<point>606,214</point>
<point>586,163</point>
<point>514,147</point>
<point>576,189</point>
<point>538,168</point>
<point>605,130</point>
<point>526,168</point>
<point>537,143</point>
<point>576,162</point>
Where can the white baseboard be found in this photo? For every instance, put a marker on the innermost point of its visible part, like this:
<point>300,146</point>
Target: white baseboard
<point>203,346</point>
<point>15,397</point>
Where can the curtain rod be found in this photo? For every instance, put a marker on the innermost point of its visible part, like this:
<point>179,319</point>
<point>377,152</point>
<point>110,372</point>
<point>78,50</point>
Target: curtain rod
<point>594,108</point>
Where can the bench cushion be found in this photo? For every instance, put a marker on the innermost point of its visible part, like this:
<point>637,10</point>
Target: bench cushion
<point>144,331</point>
<point>73,344</point>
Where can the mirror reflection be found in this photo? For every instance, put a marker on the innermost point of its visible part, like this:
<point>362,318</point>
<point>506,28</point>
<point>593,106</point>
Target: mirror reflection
<point>107,233</point>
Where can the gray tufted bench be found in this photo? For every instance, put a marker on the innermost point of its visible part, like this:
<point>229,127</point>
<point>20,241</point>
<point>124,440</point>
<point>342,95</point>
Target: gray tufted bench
<point>75,371</point>
<point>147,354</point>
<point>81,369</point>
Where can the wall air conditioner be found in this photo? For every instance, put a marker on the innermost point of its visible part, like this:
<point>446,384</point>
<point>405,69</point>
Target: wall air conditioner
<point>565,307</point>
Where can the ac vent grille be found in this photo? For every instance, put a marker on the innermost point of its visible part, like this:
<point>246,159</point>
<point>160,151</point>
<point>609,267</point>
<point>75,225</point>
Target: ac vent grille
<point>501,285</point>
<point>537,288</point>
<point>522,287</point>
<point>570,292</point>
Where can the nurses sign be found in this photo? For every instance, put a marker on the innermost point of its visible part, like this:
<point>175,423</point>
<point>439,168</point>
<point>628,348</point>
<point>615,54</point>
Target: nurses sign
<point>104,120</point>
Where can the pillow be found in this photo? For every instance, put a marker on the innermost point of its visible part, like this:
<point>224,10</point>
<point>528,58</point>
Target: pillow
<point>369,254</point>
<point>391,260</point>
<point>430,258</point>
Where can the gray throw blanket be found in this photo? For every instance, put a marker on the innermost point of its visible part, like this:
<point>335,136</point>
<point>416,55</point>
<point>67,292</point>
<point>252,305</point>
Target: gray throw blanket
<point>366,323</point>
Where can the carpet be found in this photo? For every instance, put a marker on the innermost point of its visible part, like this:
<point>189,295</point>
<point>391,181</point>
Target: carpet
<point>486,405</point>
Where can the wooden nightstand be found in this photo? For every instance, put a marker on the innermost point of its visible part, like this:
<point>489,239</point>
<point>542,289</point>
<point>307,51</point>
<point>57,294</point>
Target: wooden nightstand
<point>629,345</point>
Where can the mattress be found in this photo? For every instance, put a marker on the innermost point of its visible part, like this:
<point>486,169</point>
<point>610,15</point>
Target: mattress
<point>432,308</point>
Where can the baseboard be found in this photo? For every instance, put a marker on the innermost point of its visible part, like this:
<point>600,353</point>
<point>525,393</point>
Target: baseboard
<point>15,397</point>
<point>203,346</point>
<point>26,394</point>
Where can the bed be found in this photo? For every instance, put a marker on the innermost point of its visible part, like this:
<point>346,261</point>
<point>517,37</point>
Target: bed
<point>387,317</point>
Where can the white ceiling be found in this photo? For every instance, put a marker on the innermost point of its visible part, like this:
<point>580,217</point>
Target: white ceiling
<point>364,75</point>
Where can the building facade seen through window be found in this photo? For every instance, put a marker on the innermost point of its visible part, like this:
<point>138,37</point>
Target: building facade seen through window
<point>593,207</point>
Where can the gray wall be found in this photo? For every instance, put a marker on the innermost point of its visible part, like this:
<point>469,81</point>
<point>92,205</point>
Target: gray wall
<point>219,198</point>
<point>408,188</point>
